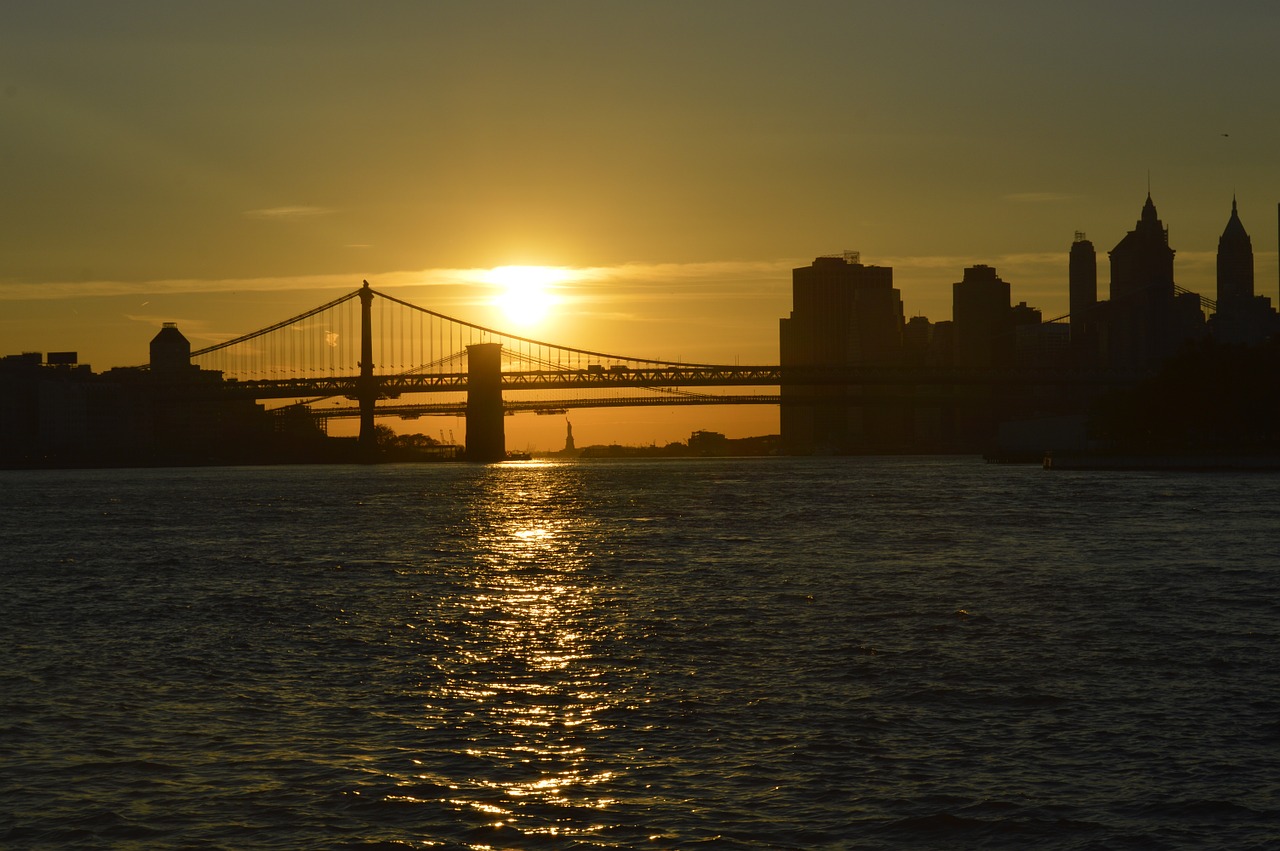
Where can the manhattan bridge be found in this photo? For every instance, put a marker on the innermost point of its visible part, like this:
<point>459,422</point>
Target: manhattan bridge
<point>368,354</point>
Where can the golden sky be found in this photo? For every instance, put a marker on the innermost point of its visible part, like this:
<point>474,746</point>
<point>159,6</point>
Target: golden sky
<point>225,165</point>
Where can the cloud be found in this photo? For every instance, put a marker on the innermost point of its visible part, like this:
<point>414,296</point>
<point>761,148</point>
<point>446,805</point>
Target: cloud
<point>956,263</point>
<point>636,278</point>
<point>627,283</point>
<point>632,283</point>
<point>54,290</point>
<point>280,214</point>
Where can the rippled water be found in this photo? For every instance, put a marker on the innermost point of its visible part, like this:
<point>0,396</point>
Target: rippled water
<point>763,653</point>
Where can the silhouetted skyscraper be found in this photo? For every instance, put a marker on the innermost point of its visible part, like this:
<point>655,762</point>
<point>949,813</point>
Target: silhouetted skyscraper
<point>980,309</point>
<point>1082,279</point>
<point>1235,264</point>
<point>843,314</point>
<point>1242,316</point>
<point>1142,262</point>
<point>1146,319</point>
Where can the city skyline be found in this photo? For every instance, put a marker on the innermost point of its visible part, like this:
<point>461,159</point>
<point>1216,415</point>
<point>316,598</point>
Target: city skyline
<point>224,168</point>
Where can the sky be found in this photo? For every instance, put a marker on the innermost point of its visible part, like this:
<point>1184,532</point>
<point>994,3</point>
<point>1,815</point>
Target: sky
<point>225,165</point>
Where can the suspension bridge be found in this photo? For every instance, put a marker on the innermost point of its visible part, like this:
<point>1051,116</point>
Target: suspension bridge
<point>372,353</point>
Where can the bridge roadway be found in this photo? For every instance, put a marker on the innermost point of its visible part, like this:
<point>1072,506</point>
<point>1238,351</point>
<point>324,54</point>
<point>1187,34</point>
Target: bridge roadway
<point>413,411</point>
<point>392,386</point>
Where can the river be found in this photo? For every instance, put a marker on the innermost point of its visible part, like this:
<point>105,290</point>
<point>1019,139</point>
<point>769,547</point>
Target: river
<point>722,653</point>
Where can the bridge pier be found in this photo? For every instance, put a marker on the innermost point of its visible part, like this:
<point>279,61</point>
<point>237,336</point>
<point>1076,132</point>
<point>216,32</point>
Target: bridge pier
<point>366,384</point>
<point>486,426</point>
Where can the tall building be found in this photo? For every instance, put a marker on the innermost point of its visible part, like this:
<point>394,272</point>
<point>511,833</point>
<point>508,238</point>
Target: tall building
<point>1147,319</point>
<point>1242,316</point>
<point>843,312</point>
<point>1082,278</point>
<point>1142,262</point>
<point>844,315</point>
<point>1235,263</point>
<point>980,309</point>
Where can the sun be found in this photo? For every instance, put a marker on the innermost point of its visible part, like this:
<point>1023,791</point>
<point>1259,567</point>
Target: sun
<point>528,292</point>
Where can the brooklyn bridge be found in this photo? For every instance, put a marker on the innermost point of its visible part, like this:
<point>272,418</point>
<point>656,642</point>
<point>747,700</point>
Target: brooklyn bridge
<point>370,355</point>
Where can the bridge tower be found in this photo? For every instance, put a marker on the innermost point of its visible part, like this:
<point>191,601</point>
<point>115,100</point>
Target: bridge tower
<point>486,428</point>
<point>366,384</point>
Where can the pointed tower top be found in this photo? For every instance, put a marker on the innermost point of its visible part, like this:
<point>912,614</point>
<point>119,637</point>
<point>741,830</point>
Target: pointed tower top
<point>1149,210</point>
<point>1235,228</point>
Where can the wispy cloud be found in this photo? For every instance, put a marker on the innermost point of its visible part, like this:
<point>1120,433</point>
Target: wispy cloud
<point>957,263</point>
<point>631,277</point>
<point>289,212</point>
<point>52,290</point>
<point>638,283</point>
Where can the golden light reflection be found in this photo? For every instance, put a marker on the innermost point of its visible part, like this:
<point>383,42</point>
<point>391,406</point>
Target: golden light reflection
<point>523,686</point>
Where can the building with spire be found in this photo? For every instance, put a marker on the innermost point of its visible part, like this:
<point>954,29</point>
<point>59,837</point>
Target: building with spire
<point>1235,262</point>
<point>1142,262</point>
<point>1147,318</point>
<point>1241,316</point>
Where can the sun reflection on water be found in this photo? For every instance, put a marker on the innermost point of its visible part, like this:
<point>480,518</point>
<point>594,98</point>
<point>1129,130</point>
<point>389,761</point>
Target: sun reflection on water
<point>519,685</point>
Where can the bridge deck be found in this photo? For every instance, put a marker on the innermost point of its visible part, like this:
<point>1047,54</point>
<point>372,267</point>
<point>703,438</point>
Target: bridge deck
<point>668,377</point>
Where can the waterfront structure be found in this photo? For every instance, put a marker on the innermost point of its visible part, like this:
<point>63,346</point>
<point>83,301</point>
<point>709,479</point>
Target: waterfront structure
<point>58,412</point>
<point>486,439</point>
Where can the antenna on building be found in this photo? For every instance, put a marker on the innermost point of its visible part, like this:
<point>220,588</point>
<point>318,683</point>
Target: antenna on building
<point>852,257</point>
<point>1080,237</point>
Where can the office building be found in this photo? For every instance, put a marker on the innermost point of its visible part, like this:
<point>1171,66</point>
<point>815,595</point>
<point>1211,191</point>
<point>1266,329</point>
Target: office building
<point>981,311</point>
<point>1241,317</point>
<point>845,315</point>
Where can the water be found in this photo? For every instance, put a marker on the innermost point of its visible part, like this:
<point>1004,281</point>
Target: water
<point>741,653</point>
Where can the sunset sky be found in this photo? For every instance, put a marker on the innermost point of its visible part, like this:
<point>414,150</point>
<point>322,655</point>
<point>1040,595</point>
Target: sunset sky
<point>226,165</point>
